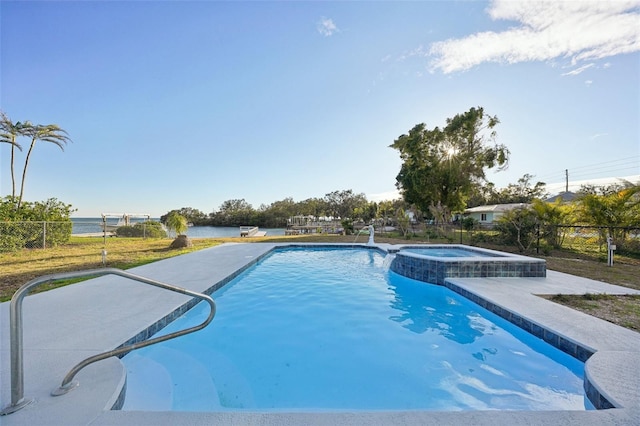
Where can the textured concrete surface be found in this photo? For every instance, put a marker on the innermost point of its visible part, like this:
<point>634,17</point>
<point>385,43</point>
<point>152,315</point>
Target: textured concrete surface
<point>66,325</point>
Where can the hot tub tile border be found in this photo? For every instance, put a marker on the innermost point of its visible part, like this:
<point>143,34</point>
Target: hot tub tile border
<point>566,345</point>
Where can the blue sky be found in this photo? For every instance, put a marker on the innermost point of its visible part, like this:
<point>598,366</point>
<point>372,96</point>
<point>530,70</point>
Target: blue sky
<point>176,104</point>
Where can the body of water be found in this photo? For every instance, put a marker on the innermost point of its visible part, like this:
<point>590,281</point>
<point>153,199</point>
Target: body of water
<point>89,225</point>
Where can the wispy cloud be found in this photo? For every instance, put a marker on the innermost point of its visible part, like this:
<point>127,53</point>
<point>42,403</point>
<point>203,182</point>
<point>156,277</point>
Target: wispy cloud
<point>418,51</point>
<point>579,70</point>
<point>576,31</point>
<point>598,135</point>
<point>327,27</point>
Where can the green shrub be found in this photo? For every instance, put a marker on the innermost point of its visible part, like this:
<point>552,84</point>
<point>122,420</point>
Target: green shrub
<point>37,224</point>
<point>10,243</point>
<point>150,229</point>
<point>469,223</point>
<point>347,224</point>
<point>518,227</point>
<point>482,237</point>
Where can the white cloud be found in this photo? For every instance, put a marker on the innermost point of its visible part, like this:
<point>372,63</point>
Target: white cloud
<point>576,31</point>
<point>326,27</point>
<point>579,70</point>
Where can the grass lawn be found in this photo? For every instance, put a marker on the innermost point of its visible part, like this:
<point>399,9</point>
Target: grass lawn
<point>86,253</point>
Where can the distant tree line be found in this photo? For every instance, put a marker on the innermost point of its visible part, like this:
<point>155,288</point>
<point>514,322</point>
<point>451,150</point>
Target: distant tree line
<point>343,204</point>
<point>338,205</point>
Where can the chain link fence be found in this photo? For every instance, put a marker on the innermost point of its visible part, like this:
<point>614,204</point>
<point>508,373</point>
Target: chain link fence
<point>585,239</point>
<point>538,239</point>
<point>17,235</point>
<point>594,238</point>
<point>33,234</point>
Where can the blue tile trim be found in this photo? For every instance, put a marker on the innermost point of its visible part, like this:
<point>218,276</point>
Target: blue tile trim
<point>119,402</point>
<point>436,270</point>
<point>596,398</point>
<point>566,345</point>
<point>167,319</point>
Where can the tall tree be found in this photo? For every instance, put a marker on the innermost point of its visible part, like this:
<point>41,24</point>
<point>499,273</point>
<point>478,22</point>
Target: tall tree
<point>343,203</point>
<point>9,133</point>
<point>521,192</point>
<point>312,207</point>
<point>236,212</point>
<point>443,166</point>
<point>51,133</point>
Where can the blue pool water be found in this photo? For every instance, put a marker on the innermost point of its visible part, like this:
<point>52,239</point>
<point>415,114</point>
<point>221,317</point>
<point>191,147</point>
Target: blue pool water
<point>332,329</point>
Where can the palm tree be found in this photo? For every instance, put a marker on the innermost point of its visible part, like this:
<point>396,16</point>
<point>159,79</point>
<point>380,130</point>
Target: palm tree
<point>8,134</point>
<point>47,133</point>
<point>614,211</point>
<point>178,223</point>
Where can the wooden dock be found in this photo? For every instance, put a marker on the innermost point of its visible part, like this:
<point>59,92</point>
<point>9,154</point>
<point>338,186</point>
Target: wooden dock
<point>94,234</point>
<point>251,231</point>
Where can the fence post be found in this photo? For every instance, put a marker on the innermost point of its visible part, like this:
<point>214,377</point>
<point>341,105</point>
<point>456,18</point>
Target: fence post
<point>44,234</point>
<point>610,249</point>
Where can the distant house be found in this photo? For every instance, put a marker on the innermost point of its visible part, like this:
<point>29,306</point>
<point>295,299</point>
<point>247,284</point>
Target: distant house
<point>564,196</point>
<point>486,215</point>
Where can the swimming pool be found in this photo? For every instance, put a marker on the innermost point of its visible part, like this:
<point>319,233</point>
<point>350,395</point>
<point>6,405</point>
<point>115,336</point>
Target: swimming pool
<point>333,329</point>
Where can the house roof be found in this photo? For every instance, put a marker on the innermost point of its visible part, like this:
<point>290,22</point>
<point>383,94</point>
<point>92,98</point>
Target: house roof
<point>495,208</point>
<point>565,196</point>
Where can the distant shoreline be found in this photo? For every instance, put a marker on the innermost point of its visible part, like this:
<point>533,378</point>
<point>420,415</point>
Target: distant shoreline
<point>92,226</point>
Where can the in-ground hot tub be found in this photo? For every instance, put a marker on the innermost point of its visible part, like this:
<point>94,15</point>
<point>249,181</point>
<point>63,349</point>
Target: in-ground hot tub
<point>434,263</point>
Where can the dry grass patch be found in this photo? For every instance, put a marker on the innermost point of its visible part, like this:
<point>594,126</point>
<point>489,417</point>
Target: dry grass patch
<point>84,253</point>
<point>623,310</point>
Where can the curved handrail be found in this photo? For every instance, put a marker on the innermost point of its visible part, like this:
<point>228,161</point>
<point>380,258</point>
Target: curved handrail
<point>17,369</point>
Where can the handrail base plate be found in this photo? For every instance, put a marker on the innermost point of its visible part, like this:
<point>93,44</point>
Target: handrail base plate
<point>63,390</point>
<point>13,408</point>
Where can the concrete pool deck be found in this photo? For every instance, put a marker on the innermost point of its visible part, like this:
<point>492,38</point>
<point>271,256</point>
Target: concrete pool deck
<point>66,325</point>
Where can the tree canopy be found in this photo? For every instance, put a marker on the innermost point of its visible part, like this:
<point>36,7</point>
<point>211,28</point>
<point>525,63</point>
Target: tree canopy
<point>521,192</point>
<point>443,166</point>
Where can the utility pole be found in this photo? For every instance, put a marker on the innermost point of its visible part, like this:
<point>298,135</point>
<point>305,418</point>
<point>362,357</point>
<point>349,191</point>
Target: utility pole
<point>566,180</point>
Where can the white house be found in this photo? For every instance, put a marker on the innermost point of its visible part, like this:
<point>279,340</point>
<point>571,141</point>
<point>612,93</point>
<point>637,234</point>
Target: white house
<point>486,215</point>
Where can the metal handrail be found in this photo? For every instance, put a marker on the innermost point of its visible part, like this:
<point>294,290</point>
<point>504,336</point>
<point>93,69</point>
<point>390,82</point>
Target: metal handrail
<point>17,369</point>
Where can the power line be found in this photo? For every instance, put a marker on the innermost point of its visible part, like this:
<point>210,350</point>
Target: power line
<point>633,158</point>
<point>591,173</point>
<point>613,166</point>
